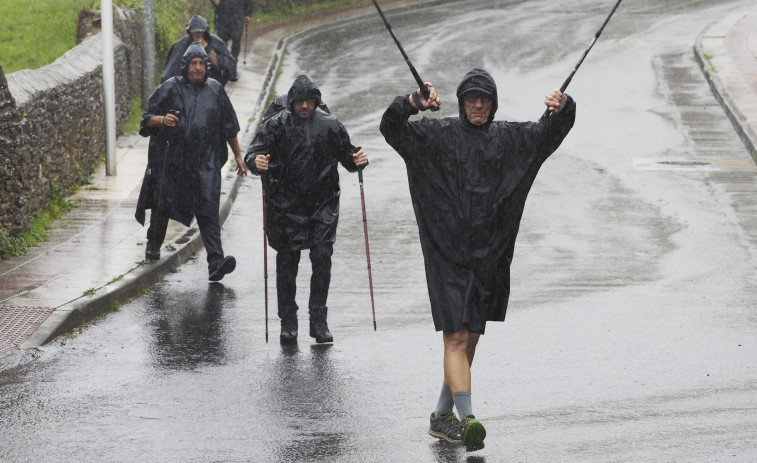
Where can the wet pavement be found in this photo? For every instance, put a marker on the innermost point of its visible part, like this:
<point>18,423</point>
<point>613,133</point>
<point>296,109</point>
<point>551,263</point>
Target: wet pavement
<point>631,330</point>
<point>93,260</point>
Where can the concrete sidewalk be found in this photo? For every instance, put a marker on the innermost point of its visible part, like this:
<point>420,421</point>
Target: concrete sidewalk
<point>93,261</point>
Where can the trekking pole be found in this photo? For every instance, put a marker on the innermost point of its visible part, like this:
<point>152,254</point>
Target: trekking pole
<point>581,60</point>
<point>245,41</point>
<point>424,89</point>
<point>367,249</point>
<point>265,262</point>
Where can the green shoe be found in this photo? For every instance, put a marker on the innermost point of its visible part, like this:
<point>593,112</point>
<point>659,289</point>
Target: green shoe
<point>446,426</point>
<point>473,433</point>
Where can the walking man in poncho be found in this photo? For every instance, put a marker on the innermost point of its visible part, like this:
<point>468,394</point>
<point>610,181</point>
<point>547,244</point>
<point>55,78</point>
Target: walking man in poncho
<point>469,177</point>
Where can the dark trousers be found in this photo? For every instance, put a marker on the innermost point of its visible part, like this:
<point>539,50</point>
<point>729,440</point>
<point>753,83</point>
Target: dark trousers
<point>235,35</point>
<point>287,264</point>
<point>210,231</point>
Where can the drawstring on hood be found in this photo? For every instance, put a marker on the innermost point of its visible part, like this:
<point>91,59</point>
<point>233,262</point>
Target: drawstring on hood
<point>477,80</point>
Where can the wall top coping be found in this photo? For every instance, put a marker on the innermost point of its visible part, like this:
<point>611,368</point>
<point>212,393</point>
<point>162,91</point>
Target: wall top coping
<point>81,60</point>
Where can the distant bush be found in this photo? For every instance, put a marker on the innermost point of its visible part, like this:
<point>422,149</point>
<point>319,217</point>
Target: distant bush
<point>10,245</point>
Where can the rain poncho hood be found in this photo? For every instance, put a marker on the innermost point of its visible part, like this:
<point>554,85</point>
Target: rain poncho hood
<point>302,181</point>
<point>198,24</point>
<point>303,88</point>
<point>194,51</point>
<point>477,79</point>
<point>468,186</point>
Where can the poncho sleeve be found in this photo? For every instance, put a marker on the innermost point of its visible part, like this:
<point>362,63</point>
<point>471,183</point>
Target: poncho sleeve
<point>396,129</point>
<point>345,149</point>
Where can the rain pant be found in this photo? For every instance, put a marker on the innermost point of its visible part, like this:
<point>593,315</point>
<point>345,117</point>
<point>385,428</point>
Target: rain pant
<point>183,173</point>
<point>302,181</point>
<point>227,64</point>
<point>468,186</point>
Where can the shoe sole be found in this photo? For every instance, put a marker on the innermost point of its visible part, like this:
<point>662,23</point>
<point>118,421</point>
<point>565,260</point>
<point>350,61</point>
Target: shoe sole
<point>441,435</point>
<point>474,435</point>
<point>227,266</point>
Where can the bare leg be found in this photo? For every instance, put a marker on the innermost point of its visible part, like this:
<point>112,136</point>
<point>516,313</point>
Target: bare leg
<point>459,350</point>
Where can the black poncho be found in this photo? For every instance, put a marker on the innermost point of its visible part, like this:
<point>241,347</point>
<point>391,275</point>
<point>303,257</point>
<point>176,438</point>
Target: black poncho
<point>302,182</point>
<point>184,162</point>
<point>468,186</point>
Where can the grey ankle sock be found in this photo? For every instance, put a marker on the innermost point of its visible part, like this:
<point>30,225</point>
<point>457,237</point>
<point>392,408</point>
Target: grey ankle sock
<point>463,404</point>
<point>446,402</point>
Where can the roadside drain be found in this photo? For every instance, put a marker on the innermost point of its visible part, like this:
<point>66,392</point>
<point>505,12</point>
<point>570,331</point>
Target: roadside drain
<point>713,164</point>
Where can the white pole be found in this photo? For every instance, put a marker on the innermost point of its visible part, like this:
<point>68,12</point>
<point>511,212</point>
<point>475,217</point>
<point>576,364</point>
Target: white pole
<point>148,50</point>
<point>109,86</point>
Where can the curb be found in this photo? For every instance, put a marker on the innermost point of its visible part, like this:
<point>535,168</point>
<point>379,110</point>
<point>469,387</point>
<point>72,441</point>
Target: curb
<point>716,33</point>
<point>86,308</point>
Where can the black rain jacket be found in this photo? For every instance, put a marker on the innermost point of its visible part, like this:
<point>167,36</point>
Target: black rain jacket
<point>302,181</point>
<point>183,173</point>
<point>468,186</point>
<point>227,65</point>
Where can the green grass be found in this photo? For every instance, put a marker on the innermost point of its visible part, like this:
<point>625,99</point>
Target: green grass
<point>37,230</point>
<point>36,32</point>
<point>131,124</point>
<point>30,37</point>
<point>11,245</point>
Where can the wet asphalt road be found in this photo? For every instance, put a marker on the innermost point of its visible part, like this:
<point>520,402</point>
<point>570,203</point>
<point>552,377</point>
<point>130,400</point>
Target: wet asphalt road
<point>631,330</point>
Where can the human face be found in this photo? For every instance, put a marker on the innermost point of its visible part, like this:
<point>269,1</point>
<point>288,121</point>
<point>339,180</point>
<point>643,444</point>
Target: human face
<point>304,108</point>
<point>198,36</point>
<point>478,107</point>
<point>196,70</point>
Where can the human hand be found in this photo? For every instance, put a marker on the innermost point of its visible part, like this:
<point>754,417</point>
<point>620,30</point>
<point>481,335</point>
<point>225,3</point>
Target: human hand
<point>554,100</point>
<point>421,103</point>
<point>171,119</point>
<point>261,162</point>
<point>241,167</point>
<point>360,158</point>
<point>213,57</point>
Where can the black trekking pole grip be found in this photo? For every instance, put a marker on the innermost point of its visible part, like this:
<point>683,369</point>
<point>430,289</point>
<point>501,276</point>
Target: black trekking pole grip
<point>416,76</point>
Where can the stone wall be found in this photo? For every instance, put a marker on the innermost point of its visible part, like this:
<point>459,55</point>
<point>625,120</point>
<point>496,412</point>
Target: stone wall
<point>52,120</point>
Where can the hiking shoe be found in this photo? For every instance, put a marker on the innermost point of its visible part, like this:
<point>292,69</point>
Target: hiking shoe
<point>152,251</point>
<point>288,332</point>
<point>222,267</point>
<point>446,426</point>
<point>320,331</point>
<point>473,432</point>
